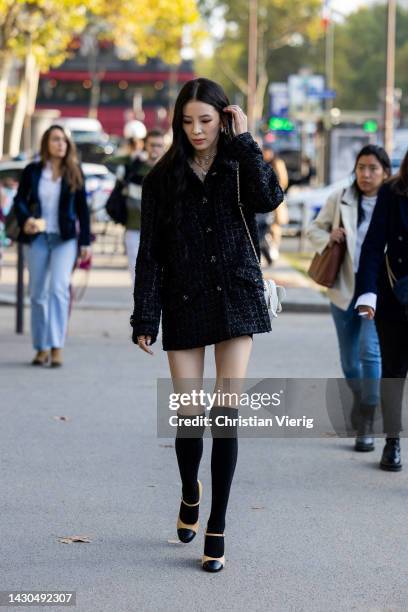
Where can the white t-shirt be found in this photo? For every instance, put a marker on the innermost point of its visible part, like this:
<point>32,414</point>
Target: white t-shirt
<point>368,204</point>
<point>49,194</point>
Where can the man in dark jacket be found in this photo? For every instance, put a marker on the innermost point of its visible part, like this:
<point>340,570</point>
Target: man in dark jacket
<point>129,181</point>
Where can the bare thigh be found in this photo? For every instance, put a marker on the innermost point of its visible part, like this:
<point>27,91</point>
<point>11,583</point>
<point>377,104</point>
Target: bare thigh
<point>187,372</point>
<point>231,360</point>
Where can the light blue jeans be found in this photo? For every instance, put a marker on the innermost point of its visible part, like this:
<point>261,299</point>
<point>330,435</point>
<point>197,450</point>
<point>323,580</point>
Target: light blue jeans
<point>360,353</point>
<point>50,262</point>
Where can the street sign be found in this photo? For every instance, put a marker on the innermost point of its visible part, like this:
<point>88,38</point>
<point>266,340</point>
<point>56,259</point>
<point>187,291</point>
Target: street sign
<point>279,99</point>
<point>325,94</point>
<point>300,99</point>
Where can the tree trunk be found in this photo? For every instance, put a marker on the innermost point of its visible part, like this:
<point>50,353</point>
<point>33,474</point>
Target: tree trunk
<point>263,78</point>
<point>32,90</point>
<point>18,118</point>
<point>21,107</point>
<point>260,94</point>
<point>95,97</point>
<point>5,69</point>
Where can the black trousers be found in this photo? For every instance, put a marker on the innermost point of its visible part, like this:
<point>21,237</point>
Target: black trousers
<point>393,337</point>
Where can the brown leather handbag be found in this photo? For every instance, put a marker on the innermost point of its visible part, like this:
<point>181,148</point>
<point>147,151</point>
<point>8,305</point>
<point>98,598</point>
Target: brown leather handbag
<point>325,267</point>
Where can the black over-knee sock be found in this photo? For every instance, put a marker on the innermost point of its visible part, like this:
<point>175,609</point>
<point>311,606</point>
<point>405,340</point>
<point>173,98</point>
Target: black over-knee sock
<point>223,461</point>
<point>189,451</point>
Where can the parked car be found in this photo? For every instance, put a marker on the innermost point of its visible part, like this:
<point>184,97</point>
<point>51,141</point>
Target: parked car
<point>92,143</point>
<point>81,128</point>
<point>99,183</point>
<point>399,149</point>
<point>304,203</point>
<point>12,169</point>
<point>10,172</point>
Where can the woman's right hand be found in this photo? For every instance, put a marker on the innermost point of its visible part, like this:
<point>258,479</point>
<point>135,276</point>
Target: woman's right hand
<point>337,235</point>
<point>143,342</point>
<point>366,312</point>
<point>30,226</point>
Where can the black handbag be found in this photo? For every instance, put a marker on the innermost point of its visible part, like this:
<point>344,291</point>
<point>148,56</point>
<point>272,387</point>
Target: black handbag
<point>116,203</point>
<point>11,225</point>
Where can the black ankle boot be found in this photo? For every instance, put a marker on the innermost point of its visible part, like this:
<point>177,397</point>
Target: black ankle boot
<point>391,457</point>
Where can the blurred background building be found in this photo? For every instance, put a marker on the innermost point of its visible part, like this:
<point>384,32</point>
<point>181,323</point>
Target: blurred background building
<point>112,89</point>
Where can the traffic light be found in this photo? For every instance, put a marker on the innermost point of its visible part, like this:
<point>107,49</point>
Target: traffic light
<point>281,124</point>
<point>370,126</point>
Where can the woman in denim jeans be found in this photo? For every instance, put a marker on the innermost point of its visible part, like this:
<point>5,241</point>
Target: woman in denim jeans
<point>50,203</point>
<point>357,337</point>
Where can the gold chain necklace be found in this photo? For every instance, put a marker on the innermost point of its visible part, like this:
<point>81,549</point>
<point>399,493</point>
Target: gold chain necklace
<point>203,165</point>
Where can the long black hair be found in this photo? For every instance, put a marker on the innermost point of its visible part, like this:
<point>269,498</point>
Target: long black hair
<point>382,157</point>
<point>170,172</point>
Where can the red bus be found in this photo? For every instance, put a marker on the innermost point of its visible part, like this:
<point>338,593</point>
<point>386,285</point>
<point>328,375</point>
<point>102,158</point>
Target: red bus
<point>127,90</point>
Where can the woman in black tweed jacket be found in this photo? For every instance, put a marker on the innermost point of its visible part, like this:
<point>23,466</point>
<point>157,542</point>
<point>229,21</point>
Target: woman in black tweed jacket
<point>196,268</point>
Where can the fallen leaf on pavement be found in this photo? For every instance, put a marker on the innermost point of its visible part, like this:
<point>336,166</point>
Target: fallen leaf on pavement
<point>61,418</point>
<point>257,507</point>
<point>70,539</point>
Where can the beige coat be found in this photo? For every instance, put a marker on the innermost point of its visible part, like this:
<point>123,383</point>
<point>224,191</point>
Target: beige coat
<point>343,203</point>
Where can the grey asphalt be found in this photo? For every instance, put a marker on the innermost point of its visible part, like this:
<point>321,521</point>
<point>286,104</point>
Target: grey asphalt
<point>312,525</point>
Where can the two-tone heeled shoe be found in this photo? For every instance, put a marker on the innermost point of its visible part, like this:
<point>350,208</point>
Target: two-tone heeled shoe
<point>213,564</point>
<point>187,532</point>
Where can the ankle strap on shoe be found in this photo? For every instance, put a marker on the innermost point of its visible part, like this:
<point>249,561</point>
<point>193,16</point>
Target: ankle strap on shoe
<point>220,535</point>
<point>190,505</point>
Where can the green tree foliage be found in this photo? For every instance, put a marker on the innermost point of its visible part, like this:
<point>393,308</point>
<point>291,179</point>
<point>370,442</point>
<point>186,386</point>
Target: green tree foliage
<point>360,56</point>
<point>294,39</point>
<point>38,33</point>
<point>284,27</point>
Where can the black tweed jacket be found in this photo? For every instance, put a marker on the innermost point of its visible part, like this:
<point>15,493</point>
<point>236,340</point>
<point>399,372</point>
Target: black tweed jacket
<point>209,286</point>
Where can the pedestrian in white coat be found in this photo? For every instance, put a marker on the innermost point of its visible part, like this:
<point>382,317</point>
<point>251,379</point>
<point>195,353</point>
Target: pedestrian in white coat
<point>346,217</point>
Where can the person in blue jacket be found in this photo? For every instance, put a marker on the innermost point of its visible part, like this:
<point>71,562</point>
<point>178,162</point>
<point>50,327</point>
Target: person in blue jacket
<point>382,289</point>
<point>50,204</point>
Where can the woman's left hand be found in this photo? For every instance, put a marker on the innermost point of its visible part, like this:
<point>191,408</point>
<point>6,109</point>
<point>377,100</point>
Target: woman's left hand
<point>85,253</point>
<point>240,120</point>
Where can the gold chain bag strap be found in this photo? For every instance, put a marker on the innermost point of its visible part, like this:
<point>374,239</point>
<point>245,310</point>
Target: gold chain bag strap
<point>273,293</point>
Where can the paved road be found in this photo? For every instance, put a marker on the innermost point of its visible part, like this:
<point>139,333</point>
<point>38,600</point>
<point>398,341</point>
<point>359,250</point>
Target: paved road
<point>330,531</point>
